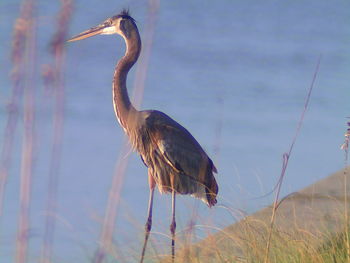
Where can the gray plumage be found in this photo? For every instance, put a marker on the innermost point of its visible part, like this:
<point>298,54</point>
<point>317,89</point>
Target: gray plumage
<point>172,155</point>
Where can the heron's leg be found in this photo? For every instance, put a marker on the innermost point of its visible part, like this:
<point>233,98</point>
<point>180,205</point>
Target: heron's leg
<point>148,225</point>
<point>173,226</point>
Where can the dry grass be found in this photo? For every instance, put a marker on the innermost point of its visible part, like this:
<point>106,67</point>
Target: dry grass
<point>24,71</point>
<point>285,164</point>
<point>309,227</point>
<point>23,56</point>
<point>53,76</point>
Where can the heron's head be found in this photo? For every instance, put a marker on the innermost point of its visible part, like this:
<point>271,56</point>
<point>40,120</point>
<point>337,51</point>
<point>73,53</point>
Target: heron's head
<point>122,24</point>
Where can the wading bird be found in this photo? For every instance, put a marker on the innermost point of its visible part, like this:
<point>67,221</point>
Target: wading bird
<point>176,162</point>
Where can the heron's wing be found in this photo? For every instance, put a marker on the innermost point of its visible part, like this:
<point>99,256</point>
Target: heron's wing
<point>179,148</point>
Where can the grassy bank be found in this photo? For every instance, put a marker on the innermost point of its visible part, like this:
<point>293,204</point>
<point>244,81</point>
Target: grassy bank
<point>310,226</point>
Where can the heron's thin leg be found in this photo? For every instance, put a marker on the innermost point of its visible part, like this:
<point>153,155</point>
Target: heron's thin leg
<point>148,225</point>
<point>173,226</point>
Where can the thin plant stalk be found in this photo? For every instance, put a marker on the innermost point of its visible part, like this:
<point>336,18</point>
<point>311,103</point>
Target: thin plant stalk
<point>345,147</point>
<point>347,240</point>
<point>28,141</point>
<point>108,225</point>
<point>13,107</point>
<point>285,163</point>
<point>57,82</point>
<point>142,65</point>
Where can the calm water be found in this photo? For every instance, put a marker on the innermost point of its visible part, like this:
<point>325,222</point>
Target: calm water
<point>235,74</point>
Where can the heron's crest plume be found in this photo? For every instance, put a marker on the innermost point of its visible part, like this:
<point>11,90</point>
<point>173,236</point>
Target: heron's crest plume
<point>124,14</point>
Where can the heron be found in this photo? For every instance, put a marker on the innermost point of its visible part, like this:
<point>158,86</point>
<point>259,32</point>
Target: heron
<point>176,162</point>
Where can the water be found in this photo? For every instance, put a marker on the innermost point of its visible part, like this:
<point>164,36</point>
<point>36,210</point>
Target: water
<point>235,74</point>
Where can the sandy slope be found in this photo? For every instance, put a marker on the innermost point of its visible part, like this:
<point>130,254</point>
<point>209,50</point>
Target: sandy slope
<point>309,216</point>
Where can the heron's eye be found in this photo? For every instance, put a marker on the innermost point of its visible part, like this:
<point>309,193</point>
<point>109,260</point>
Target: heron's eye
<point>108,22</point>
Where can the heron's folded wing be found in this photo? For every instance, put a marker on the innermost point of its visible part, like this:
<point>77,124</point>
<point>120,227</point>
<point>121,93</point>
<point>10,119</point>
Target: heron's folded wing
<point>180,149</point>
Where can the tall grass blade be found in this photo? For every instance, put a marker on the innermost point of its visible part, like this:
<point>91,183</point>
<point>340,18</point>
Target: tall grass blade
<point>29,131</point>
<point>56,80</point>
<point>286,159</point>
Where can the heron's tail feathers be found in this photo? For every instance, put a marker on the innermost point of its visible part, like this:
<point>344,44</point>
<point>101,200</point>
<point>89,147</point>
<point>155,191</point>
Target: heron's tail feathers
<point>211,192</point>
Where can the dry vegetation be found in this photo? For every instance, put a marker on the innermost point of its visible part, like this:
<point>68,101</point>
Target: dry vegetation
<point>310,226</point>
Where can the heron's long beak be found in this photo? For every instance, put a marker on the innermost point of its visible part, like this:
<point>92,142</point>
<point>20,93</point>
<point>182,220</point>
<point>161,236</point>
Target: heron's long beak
<point>97,30</point>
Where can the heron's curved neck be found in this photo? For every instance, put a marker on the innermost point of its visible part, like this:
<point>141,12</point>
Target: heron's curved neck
<point>124,110</point>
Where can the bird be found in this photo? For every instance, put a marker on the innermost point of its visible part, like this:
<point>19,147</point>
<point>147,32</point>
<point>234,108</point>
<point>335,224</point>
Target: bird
<point>176,162</point>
